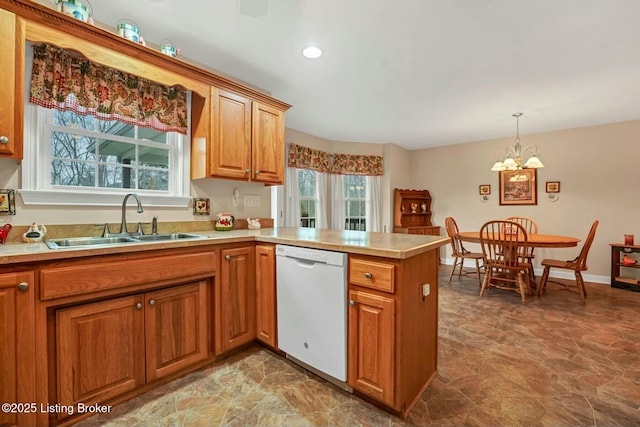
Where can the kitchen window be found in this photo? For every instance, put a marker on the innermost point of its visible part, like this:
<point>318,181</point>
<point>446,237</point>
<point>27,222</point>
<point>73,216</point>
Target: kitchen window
<point>308,197</point>
<point>85,159</point>
<point>355,200</point>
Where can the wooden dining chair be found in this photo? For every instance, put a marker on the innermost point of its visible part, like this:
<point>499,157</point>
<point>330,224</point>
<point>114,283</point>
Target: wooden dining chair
<point>531,227</point>
<point>505,261</point>
<point>460,253</point>
<point>578,265</point>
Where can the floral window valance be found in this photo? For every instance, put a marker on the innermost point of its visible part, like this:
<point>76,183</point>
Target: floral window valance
<point>308,158</point>
<point>107,93</point>
<point>339,164</point>
<point>356,164</point>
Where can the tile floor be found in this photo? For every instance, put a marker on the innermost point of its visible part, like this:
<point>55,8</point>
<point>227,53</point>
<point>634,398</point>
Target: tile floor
<point>553,362</point>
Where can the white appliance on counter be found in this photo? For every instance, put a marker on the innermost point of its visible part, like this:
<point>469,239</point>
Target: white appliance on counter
<point>312,308</point>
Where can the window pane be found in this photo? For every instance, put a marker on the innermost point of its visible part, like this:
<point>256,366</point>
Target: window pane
<point>153,179</point>
<point>117,152</point>
<point>69,146</point>
<point>312,208</point>
<point>152,135</point>
<point>116,176</point>
<point>304,208</point>
<point>73,173</point>
<point>72,120</point>
<point>307,183</point>
<point>354,187</point>
<point>117,128</point>
<point>155,157</point>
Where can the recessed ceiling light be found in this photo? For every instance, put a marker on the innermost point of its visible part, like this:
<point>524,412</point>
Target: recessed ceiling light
<point>311,52</point>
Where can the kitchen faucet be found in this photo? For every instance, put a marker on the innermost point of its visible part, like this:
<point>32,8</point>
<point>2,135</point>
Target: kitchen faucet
<point>123,226</point>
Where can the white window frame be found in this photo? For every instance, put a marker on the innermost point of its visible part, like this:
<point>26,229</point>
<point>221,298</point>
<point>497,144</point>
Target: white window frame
<point>36,188</point>
<point>307,199</point>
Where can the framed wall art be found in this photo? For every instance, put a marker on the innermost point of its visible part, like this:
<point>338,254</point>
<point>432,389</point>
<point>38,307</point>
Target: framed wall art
<point>7,202</point>
<point>484,190</point>
<point>553,186</point>
<point>518,187</point>
<point>201,206</point>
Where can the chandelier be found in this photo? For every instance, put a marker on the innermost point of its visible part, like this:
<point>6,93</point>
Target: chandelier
<point>511,158</point>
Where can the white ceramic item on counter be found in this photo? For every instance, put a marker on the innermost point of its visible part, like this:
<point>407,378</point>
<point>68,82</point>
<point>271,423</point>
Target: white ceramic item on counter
<point>253,224</point>
<point>34,234</point>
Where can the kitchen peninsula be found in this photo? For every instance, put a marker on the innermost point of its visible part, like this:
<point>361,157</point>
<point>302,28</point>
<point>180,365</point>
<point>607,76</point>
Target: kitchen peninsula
<point>168,308</point>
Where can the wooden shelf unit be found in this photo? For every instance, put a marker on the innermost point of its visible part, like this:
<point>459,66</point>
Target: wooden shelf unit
<point>412,212</point>
<point>619,269</point>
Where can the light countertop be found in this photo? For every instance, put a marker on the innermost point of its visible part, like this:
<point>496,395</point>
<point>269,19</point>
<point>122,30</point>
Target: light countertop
<point>388,245</point>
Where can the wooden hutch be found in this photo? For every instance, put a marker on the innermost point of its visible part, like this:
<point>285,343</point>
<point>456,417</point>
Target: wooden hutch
<point>412,212</point>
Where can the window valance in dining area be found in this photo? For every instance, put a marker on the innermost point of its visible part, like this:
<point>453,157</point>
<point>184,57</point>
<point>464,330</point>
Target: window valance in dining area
<point>67,81</point>
<point>339,164</point>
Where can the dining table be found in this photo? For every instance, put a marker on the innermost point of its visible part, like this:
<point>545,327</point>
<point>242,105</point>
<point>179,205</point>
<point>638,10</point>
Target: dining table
<point>534,239</point>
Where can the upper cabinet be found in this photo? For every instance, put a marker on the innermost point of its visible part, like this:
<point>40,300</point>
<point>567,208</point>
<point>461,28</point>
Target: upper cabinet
<point>11,85</point>
<point>245,140</point>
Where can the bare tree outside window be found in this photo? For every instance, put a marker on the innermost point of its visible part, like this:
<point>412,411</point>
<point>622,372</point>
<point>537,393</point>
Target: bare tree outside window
<point>89,152</point>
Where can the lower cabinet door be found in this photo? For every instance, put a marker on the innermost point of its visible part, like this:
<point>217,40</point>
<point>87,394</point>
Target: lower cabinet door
<point>100,350</point>
<point>176,328</point>
<point>266,326</point>
<point>371,345</point>
<point>17,359</point>
<point>235,298</point>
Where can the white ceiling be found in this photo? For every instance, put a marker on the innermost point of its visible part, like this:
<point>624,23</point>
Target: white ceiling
<point>418,73</point>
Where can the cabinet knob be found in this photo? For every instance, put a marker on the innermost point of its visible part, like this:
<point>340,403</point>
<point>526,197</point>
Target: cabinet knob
<point>4,140</point>
<point>152,302</point>
<point>247,170</point>
<point>23,286</point>
<point>139,306</point>
<point>368,276</point>
<point>228,257</point>
<point>258,171</point>
<point>352,302</point>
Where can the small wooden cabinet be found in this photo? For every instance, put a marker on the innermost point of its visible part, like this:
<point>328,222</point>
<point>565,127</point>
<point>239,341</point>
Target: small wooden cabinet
<point>235,299</point>
<point>11,85</point>
<point>371,345</point>
<point>625,276</point>
<point>107,348</point>
<point>246,140</point>
<point>266,314</point>
<point>412,212</point>
<point>17,348</point>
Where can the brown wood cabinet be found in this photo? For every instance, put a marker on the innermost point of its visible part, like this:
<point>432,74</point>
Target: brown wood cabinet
<point>266,322</point>
<point>246,140</point>
<point>11,85</point>
<point>108,348</point>
<point>393,327</point>
<point>412,212</point>
<point>371,345</point>
<point>17,348</point>
<point>100,350</point>
<point>235,299</point>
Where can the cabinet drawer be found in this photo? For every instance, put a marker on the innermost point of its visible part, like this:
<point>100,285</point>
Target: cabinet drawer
<point>75,279</point>
<point>372,274</point>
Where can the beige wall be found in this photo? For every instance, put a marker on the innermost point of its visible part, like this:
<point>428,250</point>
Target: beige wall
<point>596,167</point>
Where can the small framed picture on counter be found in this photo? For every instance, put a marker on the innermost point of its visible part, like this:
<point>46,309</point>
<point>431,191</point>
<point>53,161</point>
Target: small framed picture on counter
<point>7,202</point>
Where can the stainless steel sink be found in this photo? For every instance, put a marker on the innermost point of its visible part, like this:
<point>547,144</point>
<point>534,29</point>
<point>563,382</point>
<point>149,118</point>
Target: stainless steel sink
<point>83,242</point>
<point>167,236</point>
<point>86,241</point>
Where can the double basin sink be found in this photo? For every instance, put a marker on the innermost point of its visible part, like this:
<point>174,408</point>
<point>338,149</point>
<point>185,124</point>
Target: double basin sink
<point>84,242</point>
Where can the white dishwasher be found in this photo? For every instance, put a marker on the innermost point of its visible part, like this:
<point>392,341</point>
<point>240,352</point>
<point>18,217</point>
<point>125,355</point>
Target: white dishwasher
<point>312,308</point>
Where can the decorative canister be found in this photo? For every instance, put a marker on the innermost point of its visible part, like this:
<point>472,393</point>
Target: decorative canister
<point>81,10</point>
<point>129,30</point>
<point>224,221</point>
<point>169,49</point>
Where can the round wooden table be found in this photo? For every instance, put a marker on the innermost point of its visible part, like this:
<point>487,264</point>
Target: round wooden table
<point>535,240</point>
